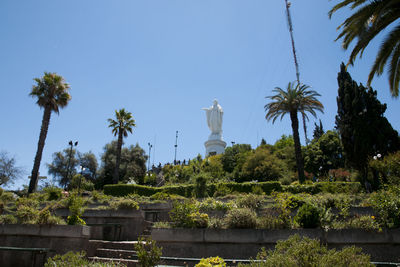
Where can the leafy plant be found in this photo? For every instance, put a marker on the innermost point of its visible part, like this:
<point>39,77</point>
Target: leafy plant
<point>8,219</point>
<point>53,193</point>
<point>211,262</point>
<point>305,252</point>
<point>76,259</point>
<point>386,203</point>
<point>308,216</point>
<point>251,201</point>
<point>241,218</point>
<point>148,252</point>
<point>76,205</point>
<point>124,203</point>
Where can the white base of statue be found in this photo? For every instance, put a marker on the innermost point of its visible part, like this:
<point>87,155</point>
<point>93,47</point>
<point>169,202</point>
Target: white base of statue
<point>214,147</point>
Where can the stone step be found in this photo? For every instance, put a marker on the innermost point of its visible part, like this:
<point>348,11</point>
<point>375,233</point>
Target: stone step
<point>116,253</point>
<point>128,263</point>
<point>127,245</point>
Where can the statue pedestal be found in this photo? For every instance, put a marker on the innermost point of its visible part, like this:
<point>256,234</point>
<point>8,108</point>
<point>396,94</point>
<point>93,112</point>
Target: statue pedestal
<point>215,146</point>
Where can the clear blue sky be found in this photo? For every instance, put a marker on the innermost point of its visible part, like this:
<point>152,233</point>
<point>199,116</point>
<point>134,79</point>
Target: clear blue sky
<point>164,60</point>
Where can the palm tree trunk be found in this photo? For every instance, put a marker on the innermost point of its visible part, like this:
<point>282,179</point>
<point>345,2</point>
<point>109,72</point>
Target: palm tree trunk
<point>38,157</point>
<point>297,146</point>
<point>305,128</point>
<point>118,160</point>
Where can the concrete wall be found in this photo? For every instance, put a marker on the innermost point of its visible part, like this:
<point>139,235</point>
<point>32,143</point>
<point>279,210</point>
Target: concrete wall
<point>60,238</point>
<point>131,223</point>
<point>246,243</point>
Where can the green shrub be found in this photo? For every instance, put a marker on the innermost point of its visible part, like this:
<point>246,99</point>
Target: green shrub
<point>79,181</point>
<point>210,204</point>
<point>45,217</point>
<point>211,262</point>
<point>200,189</point>
<point>186,214</point>
<point>27,214</point>
<point>8,219</point>
<point>53,193</point>
<point>186,190</point>
<point>99,197</point>
<point>358,222</point>
<point>124,203</point>
<point>28,202</point>
<point>241,218</point>
<point>199,220</point>
<point>76,205</point>
<point>271,222</point>
<point>386,203</point>
<point>326,187</point>
<point>7,197</point>
<point>219,190</point>
<point>76,259</point>
<point>388,168</point>
<point>250,201</point>
<point>308,216</point>
<point>147,252</point>
<point>165,196</point>
<point>305,252</point>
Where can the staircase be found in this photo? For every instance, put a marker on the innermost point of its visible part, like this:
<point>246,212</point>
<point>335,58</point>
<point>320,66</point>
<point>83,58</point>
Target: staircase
<point>114,251</point>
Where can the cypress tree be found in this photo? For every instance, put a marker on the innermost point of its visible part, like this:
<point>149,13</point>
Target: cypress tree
<point>363,129</point>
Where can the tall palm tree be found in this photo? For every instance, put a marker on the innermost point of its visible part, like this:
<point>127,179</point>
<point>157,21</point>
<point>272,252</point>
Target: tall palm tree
<point>369,20</point>
<point>124,124</point>
<point>296,98</point>
<point>51,92</point>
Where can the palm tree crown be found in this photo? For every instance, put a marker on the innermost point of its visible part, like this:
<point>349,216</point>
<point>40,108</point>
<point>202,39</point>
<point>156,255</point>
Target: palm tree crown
<point>51,91</point>
<point>370,19</point>
<point>124,123</point>
<point>295,99</point>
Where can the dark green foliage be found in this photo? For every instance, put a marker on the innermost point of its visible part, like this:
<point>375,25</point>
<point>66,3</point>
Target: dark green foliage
<point>308,216</point>
<point>241,218</point>
<point>147,251</point>
<point>132,165</point>
<point>318,130</point>
<point>65,165</point>
<point>299,251</point>
<point>386,170</point>
<point>386,203</point>
<point>261,165</point>
<point>9,172</point>
<point>327,187</point>
<point>187,189</point>
<point>324,154</point>
<point>200,189</point>
<point>284,150</point>
<point>186,214</point>
<point>80,182</point>
<point>363,129</point>
<point>53,193</point>
<point>76,205</point>
<point>231,158</point>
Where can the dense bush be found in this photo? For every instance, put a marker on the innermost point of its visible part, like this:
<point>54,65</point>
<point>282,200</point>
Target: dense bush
<point>304,252</point>
<point>186,214</point>
<point>241,218</point>
<point>76,205</point>
<point>326,187</point>
<point>211,262</point>
<point>124,203</point>
<point>308,216</point>
<point>76,259</point>
<point>387,169</point>
<point>187,189</point>
<point>250,201</point>
<point>147,252</point>
<point>386,203</point>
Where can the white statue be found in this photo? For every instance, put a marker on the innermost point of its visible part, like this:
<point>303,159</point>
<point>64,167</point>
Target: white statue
<point>214,119</point>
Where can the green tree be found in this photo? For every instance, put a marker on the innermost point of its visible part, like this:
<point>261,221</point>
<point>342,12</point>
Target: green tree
<point>284,150</point>
<point>318,130</point>
<point>262,165</point>
<point>9,172</point>
<point>51,92</point>
<point>295,99</point>
<point>132,164</point>
<point>59,167</point>
<point>363,129</point>
<point>231,156</point>
<point>63,172</point>
<point>370,19</point>
<point>123,124</point>
<point>324,154</point>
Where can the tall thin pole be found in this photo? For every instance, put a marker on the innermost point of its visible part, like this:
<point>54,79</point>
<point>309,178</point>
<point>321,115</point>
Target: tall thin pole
<point>296,63</point>
<point>148,164</point>
<point>176,146</point>
<point>69,159</point>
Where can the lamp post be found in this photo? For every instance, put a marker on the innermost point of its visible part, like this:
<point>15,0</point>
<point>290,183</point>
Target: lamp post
<point>80,179</point>
<point>176,146</point>
<point>148,168</point>
<point>71,144</point>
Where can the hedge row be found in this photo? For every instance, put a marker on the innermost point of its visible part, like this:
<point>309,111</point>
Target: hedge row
<point>187,190</point>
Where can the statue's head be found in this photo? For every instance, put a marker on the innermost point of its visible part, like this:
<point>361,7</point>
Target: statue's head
<point>215,102</point>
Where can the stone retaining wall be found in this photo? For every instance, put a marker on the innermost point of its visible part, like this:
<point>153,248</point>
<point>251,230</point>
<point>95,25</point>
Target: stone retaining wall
<point>246,243</point>
<point>59,238</point>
